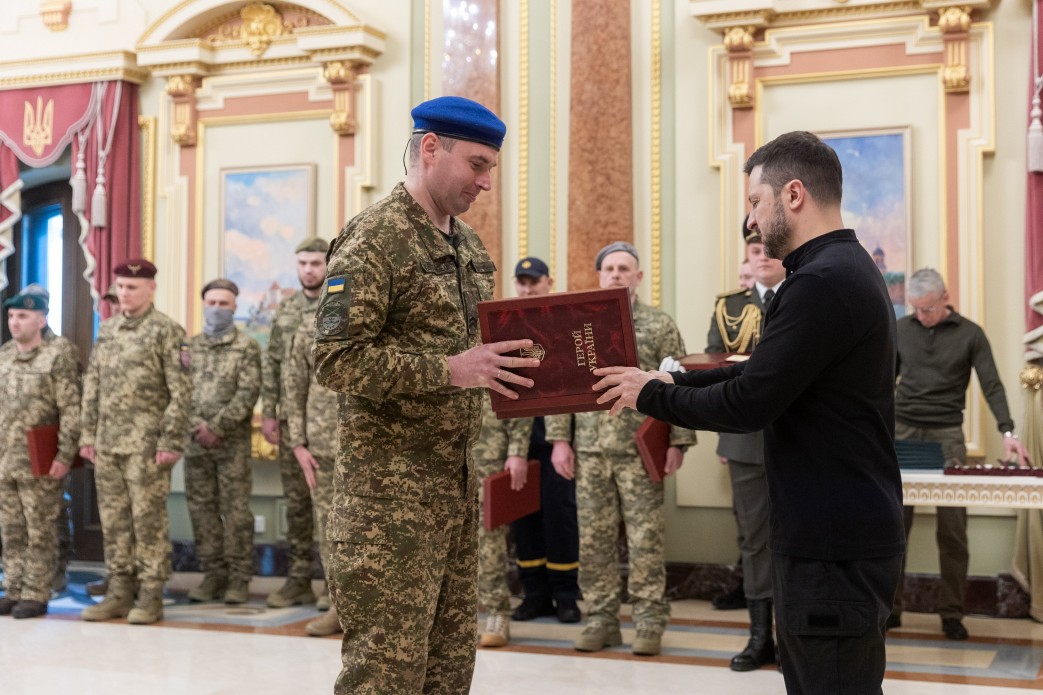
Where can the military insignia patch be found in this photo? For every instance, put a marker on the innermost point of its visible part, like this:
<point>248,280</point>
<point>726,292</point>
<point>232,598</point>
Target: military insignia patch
<point>335,285</point>
<point>331,319</point>
<point>185,356</point>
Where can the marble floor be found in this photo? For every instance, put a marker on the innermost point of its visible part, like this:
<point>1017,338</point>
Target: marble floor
<point>212,649</point>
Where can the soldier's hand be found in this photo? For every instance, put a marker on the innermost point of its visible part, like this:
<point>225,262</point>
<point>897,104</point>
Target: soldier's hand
<point>307,463</point>
<point>519,469</point>
<point>58,470</point>
<point>270,430</point>
<point>87,452</point>
<point>166,458</point>
<point>563,459</point>
<point>623,385</point>
<point>205,436</point>
<point>486,366</point>
<point>1014,450</point>
<point>674,459</point>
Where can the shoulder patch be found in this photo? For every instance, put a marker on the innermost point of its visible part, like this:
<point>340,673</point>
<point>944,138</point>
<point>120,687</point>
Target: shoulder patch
<point>331,319</point>
<point>185,356</point>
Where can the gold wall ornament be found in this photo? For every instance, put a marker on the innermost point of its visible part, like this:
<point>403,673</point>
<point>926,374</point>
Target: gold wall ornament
<point>38,125</point>
<point>182,91</point>
<point>55,14</point>
<point>739,43</point>
<point>261,24</point>
<point>955,23</point>
<point>738,38</point>
<point>954,19</point>
<point>342,74</point>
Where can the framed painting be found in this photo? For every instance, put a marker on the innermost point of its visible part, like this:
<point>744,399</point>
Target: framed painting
<point>877,199</point>
<point>265,213</point>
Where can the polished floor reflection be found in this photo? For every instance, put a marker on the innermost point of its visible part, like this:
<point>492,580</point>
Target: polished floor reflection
<point>211,648</point>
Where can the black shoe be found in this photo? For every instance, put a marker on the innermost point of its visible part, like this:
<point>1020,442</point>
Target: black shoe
<point>894,620</point>
<point>29,609</point>
<point>731,601</point>
<point>760,650</point>
<point>532,608</point>
<point>568,611</point>
<point>954,629</point>
<point>7,605</point>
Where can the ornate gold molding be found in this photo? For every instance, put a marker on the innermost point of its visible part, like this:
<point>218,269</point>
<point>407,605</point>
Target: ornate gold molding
<point>261,24</point>
<point>523,132</point>
<point>342,74</point>
<point>147,125</point>
<point>656,156</point>
<point>55,14</point>
<point>182,91</point>
<point>553,219</point>
<point>1012,492</point>
<point>954,22</point>
<point>1032,377</point>
<point>739,41</point>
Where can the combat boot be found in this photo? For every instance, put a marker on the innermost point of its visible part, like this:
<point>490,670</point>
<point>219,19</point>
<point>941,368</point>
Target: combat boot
<point>497,631</point>
<point>323,602</point>
<point>29,609</point>
<point>210,589</point>
<point>760,650</point>
<point>118,601</point>
<point>647,641</point>
<point>148,608</point>
<point>99,587</point>
<point>238,591</point>
<point>296,590</point>
<point>326,624</point>
<point>597,636</point>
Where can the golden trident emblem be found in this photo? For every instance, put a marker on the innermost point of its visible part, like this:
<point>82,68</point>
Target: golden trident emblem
<point>38,126</point>
<point>536,351</point>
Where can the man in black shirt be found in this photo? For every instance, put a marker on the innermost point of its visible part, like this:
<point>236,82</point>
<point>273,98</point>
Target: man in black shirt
<point>821,386</point>
<point>937,349</point>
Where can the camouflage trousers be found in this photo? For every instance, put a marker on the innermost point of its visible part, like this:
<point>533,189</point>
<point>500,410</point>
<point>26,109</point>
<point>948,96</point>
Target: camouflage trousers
<point>493,593</point>
<point>402,577</point>
<point>610,488</point>
<point>28,509</point>
<point>132,500</point>
<point>300,526</point>
<point>321,501</point>
<point>217,491</point>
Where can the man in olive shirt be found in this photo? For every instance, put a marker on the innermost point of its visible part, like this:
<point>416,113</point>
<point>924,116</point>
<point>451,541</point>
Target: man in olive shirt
<point>937,348</point>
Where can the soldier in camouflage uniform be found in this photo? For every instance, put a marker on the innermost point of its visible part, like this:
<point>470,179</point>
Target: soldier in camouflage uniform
<point>39,385</point>
<point>502,445</point>
<point>611,483</point>
<point>226,379</point>
<point>397,333</point>
<point>134,416</point>
<point>311,419</point>
<point>300,532</point>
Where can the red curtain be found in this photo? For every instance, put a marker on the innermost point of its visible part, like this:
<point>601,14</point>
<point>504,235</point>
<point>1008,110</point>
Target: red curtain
<point>1034,230</point>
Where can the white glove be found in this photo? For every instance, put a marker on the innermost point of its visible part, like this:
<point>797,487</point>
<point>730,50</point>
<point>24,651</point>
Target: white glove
<point>669,364</point>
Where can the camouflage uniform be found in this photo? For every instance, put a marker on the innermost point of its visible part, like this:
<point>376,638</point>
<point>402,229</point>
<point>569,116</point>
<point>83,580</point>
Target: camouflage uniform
<point>611,483</point>
<point>226,379</point>
<point>498,440</point>
<point>400,297</point>
<point>311,419</point>
<point>136,395</point>
<point>38,387</point>
<point>300,532</point>
<point>64,524</point>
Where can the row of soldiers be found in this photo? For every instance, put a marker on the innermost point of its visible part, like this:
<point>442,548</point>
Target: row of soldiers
<point>149,397</point>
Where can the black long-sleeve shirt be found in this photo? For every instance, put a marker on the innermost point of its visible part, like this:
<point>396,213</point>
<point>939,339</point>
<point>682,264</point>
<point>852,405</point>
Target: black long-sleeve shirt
<point>934,369</point>
<point>821,385</point>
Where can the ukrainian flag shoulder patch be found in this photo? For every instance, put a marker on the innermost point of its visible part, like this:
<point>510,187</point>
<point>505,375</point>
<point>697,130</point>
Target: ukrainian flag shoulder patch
<point>334,285</point>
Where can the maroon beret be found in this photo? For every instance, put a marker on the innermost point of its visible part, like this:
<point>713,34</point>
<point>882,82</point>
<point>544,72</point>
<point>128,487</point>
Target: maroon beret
<point>135,268</point>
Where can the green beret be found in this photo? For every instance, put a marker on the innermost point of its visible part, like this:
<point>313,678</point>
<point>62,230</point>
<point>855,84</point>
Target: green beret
<point>32,302</point>
<point>220,284</point>
<point>314,244</point>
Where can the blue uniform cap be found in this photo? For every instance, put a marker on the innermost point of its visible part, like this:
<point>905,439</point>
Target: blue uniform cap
<point>32,302</point>
<point>531,266</point>
<point>457,117</point>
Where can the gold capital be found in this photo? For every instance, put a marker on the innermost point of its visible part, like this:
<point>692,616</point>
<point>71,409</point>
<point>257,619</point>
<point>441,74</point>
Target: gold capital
<point>261,24</point>
<point>738,38</point>
<point>954,19</point>
<point>181,85</point>
<point>55,14</point>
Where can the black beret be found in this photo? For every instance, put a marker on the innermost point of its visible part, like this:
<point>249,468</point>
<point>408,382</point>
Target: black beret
<point>135,268</point>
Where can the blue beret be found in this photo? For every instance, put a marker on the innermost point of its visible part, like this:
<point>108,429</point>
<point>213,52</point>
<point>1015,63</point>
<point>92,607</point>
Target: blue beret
<point>457,117</point>
<point>531,266</point>
<point>32,302</point>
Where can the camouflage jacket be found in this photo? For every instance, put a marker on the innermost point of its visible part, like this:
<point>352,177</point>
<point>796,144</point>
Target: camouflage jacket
<point>226,378</point>
<point>38,387</point>
<point>137,391</point>
<point>501,438</point>
<point>288,317</point>
<point>657,337</point>
<point>310,409</point>
<point>400,298</point>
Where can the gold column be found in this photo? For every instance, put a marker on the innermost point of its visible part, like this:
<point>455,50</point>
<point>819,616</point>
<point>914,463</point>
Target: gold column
<point>739,43</point>
<point>182,91</point>
<point>954,23</point>
<point>342,74</point>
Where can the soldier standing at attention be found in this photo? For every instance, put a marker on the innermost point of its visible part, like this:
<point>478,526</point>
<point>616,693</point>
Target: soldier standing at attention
<point>300,533</point>
<point>502,445</point>
<point>612,484</point>
<point>226,379</point>
<point>736,326</point>
<point>134,416</point>
<point>397,333</point>
<point>311,419</point>
<point>39,385</point>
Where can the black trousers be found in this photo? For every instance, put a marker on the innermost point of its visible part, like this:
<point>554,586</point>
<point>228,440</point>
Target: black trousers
<point>547,541</point>
<point>830,622</point>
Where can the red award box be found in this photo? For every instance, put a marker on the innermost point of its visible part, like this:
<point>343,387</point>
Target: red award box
<point>502,505</point>
<point>573,334</point>
<point>653,439</point>
<point>711,360</point>
<point>43,447</point>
